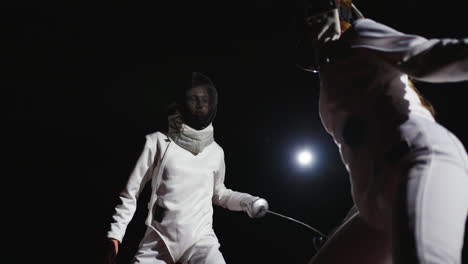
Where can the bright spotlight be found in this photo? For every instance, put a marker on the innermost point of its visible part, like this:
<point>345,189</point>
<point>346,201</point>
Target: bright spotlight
<point>305,158</point>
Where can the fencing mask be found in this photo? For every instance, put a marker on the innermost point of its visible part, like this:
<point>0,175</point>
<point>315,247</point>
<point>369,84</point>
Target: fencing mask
<point>196,100</point>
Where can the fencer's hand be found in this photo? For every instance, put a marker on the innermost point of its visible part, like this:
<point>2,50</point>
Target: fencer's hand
<point>111,251</point>
<point>115,242</point>
<point>324,27</point>
<point>257,208</point>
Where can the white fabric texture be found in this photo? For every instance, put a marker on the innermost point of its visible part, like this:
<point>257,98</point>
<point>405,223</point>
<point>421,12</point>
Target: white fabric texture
<point>185,185</point>
<point>190,139</point>
<point>152,250</point>
<point>368,88</point>
<point>430,60</point>
<point>435,198</point>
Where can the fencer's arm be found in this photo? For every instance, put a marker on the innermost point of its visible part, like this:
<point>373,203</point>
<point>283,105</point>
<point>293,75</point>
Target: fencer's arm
<point>439,60</point>
<point>429,60</point>
<point>128,196</point>
<point>227,198</point>
<point>322,20</point>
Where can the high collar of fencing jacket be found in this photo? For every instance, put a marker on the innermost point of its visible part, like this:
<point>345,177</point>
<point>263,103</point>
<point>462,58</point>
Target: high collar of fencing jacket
<point>191,139</point>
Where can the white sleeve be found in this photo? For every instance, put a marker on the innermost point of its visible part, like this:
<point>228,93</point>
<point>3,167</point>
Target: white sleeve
<point>227,198</point>
<point>430,60</point>
<point>128,196</point>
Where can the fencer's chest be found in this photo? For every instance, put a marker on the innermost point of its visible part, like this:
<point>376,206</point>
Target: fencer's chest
<point>185,172</point>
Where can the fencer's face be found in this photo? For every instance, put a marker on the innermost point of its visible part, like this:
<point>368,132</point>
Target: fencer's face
<point>197,100</point>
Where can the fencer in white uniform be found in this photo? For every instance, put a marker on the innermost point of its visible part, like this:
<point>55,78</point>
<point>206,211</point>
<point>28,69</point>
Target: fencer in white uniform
<point>186,169</point>
<point>409,174</point>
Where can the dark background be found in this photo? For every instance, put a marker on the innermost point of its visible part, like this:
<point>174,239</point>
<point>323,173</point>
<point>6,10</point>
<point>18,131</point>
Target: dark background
<point>84,82</point>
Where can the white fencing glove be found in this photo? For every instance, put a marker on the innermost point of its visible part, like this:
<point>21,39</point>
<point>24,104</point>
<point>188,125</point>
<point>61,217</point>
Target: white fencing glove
<point>256,208</point>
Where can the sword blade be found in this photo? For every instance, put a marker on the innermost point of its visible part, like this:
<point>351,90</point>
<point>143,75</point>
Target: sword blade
<point>296,221</point>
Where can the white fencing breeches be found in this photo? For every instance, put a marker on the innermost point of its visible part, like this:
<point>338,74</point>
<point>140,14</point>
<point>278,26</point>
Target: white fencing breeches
<point>429,215</point>
<point>433,205</point>
<point>152,250</point>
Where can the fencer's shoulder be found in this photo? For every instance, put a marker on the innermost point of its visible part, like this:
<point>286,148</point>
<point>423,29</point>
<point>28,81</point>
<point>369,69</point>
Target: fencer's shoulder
<point>369,34</point>
<point>365,22</point>
<point>217,148</point>
<point>156,136</point>
<point>372,28</point>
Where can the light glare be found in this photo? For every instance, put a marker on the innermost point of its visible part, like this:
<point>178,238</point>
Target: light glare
<point>305,158</point>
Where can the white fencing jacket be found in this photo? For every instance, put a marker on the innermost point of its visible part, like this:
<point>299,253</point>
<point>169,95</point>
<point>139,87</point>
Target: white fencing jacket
<point>185,185</point>
<point>366,78</point>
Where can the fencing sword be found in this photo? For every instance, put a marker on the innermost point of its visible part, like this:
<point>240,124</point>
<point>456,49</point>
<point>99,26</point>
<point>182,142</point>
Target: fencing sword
<point>318,241</point>
<point>296,221</point>
<point>263,204</point>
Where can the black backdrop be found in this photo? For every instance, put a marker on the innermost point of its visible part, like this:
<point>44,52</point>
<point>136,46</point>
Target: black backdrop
<point>84,82</point>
